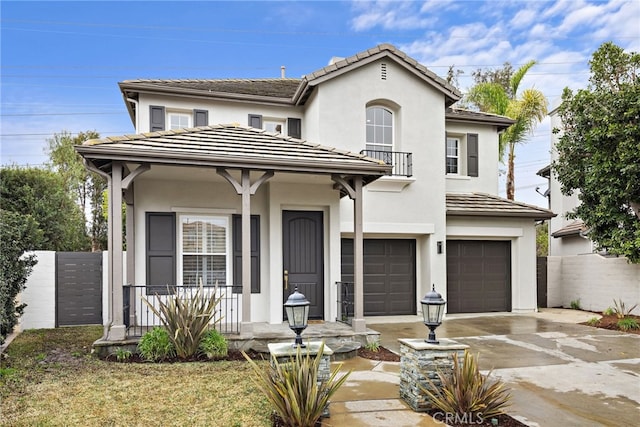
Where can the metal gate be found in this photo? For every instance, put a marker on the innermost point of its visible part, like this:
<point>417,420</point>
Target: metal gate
<point>78,288</point>
<point>541,280</point>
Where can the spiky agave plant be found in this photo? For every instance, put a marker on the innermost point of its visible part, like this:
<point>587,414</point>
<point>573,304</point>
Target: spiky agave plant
<point>293,389</point>
<point>467,392</point>
<point>187,319</point>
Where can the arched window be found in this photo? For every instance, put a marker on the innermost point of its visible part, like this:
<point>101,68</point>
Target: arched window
<point>379,129</point>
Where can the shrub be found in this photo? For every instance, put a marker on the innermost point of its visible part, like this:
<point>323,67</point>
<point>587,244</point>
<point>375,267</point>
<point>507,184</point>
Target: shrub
<point>628,323</point>
<point>467,392</point>
<point>156,345</point>
<point>293,389</point>
<point>214,345</point>
<point>609,311</point>
<point>620,309</point>
<point>187,319</point>
<point>575,305</point>
<point>123,354</point>
<point>593,321</point>
<point>373,346</point>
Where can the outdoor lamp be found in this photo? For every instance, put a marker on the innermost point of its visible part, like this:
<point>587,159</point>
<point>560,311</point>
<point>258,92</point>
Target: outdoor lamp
<point>432,311</point>
<point>297,309</point>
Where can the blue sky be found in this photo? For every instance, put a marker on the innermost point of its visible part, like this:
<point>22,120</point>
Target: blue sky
<point>61,61</point>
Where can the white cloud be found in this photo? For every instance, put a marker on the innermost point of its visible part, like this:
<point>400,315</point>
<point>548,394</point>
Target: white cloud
<point>389,15</point>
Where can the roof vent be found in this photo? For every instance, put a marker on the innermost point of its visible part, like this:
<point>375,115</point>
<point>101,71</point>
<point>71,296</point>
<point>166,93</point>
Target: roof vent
<point>383,71</point>
<point>282,71</point>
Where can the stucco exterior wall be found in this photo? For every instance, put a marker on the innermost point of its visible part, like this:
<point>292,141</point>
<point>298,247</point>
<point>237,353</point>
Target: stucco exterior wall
<point>521,234</point>
<point>594,280</point>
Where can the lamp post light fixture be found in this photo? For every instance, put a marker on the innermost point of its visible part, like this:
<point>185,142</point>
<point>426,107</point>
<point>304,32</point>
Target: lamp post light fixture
<point>432,312</point>
<point>297,309</point>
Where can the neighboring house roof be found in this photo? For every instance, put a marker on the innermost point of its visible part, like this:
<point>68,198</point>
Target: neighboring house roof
<point>575,228</point>
<point>231,146</point>
<point>481,204</point>
<point>468,116</point>
<point>283,90</point>
<point>545,172</point>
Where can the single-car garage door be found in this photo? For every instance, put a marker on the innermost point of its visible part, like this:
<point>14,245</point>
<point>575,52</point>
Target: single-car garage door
<point>389,275</point>
<point>478,276</point>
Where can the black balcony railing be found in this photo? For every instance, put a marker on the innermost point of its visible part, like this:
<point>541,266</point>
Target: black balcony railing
<point>402,162</point>
<point>345,302</point>
<point>139,318</point>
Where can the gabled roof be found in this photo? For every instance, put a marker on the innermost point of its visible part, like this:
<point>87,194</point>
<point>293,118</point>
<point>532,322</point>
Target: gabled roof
<point>468,116</point>
<point>545,172</point>
<point>231,146</point>
<point>481,204</point>
<point>386,51</point>
<point>284,90</point>
<point>575,228</point>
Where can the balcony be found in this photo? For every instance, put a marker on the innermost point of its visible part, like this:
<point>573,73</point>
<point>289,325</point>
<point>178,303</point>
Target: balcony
<point>402,162</point>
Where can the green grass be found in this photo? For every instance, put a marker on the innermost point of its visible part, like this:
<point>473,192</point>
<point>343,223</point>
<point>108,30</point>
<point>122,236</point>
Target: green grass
<point>50,378</point>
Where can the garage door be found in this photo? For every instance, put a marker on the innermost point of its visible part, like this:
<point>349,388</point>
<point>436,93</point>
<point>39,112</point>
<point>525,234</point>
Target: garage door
<point>478,276</point>
<point>389,275</point>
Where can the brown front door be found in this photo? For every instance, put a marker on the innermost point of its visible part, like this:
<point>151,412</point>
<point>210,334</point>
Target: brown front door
<point>302,242</point>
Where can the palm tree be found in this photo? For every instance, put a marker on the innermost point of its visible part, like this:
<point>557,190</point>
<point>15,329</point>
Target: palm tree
<point>527,110</point>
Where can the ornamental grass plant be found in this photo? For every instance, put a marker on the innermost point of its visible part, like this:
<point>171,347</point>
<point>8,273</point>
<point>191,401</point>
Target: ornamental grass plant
<point>293,389</point>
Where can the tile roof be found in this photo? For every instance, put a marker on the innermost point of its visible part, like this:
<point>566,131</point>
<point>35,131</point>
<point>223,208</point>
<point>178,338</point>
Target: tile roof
<point>230,146</point>
<point>481,204</point>
<point>574,228</point>
<point>459,114</point>
<point>382,50</point>
<point>294,91</point>
<point>274,88</point>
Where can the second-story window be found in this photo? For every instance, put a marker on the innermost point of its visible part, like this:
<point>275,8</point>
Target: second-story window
<point>379,129</point>
<point>453,155</point>
<point>179,120</point>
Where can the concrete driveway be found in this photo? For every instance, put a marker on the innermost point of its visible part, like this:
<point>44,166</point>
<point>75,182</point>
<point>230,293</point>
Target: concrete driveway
<point>559,372</point>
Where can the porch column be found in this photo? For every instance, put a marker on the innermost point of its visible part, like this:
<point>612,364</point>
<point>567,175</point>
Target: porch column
<point>117,329</point>
<point>245,189</point>
<point>354,191</point>
<point>358,259</point>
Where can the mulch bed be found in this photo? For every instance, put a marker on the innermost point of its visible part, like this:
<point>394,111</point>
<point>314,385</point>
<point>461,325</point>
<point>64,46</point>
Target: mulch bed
<point>382,354</point>
<point>610,322</point>
<point>233,355</point>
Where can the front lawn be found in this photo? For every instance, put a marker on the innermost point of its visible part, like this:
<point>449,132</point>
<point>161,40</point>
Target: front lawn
<point>49,377</point>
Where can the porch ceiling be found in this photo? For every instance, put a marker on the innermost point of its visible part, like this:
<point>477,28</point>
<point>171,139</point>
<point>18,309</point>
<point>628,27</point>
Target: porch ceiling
<point>233,147</point>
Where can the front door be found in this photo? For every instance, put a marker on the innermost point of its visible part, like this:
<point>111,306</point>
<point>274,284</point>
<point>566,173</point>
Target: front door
<point>303,254</point>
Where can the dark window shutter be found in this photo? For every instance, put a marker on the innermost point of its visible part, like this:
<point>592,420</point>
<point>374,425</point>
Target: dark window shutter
<point>156,118</point>
<point>294,127</point>
<point>161,252</point>
<point>237,253</point>
<point>200,118</point>
<point>472,154</point>
<point>255,121</point>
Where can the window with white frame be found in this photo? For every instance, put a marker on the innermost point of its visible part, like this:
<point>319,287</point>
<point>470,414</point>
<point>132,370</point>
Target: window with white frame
<point>379,129</point>
<point>205,247</point>
<point>179,120</point>
<point>453,155</point>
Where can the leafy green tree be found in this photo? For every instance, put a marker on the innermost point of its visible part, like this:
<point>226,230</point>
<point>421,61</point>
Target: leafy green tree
<point>18,234</point>
<point>497,92</point>
<point>599,151</point>
<point>542,239</point>
<point>87,188</point>
<point>41,194</point>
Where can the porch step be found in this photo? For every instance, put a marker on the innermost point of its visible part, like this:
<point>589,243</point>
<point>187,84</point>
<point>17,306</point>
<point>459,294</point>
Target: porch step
<point>342,349</point>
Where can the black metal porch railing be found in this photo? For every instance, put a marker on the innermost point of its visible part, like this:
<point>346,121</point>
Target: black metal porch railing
<point>402,162</point>
<point>345,302</point>
<point>138,317</point>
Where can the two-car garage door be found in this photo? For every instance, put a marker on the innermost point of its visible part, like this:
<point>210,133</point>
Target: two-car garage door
<point>478,276</point>
<point>389,275</point>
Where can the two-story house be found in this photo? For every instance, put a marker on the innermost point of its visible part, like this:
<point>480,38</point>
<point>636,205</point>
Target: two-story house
<point>359,172</point>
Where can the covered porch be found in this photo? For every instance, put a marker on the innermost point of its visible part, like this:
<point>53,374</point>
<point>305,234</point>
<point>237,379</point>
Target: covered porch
<point>246,159</point>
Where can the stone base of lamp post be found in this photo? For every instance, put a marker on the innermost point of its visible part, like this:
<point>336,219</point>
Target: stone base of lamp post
<point>421,360</point>
<point>283,352</point>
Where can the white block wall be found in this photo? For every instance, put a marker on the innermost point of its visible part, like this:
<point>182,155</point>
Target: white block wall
<point>40,294</point>
<point>596,280</point>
